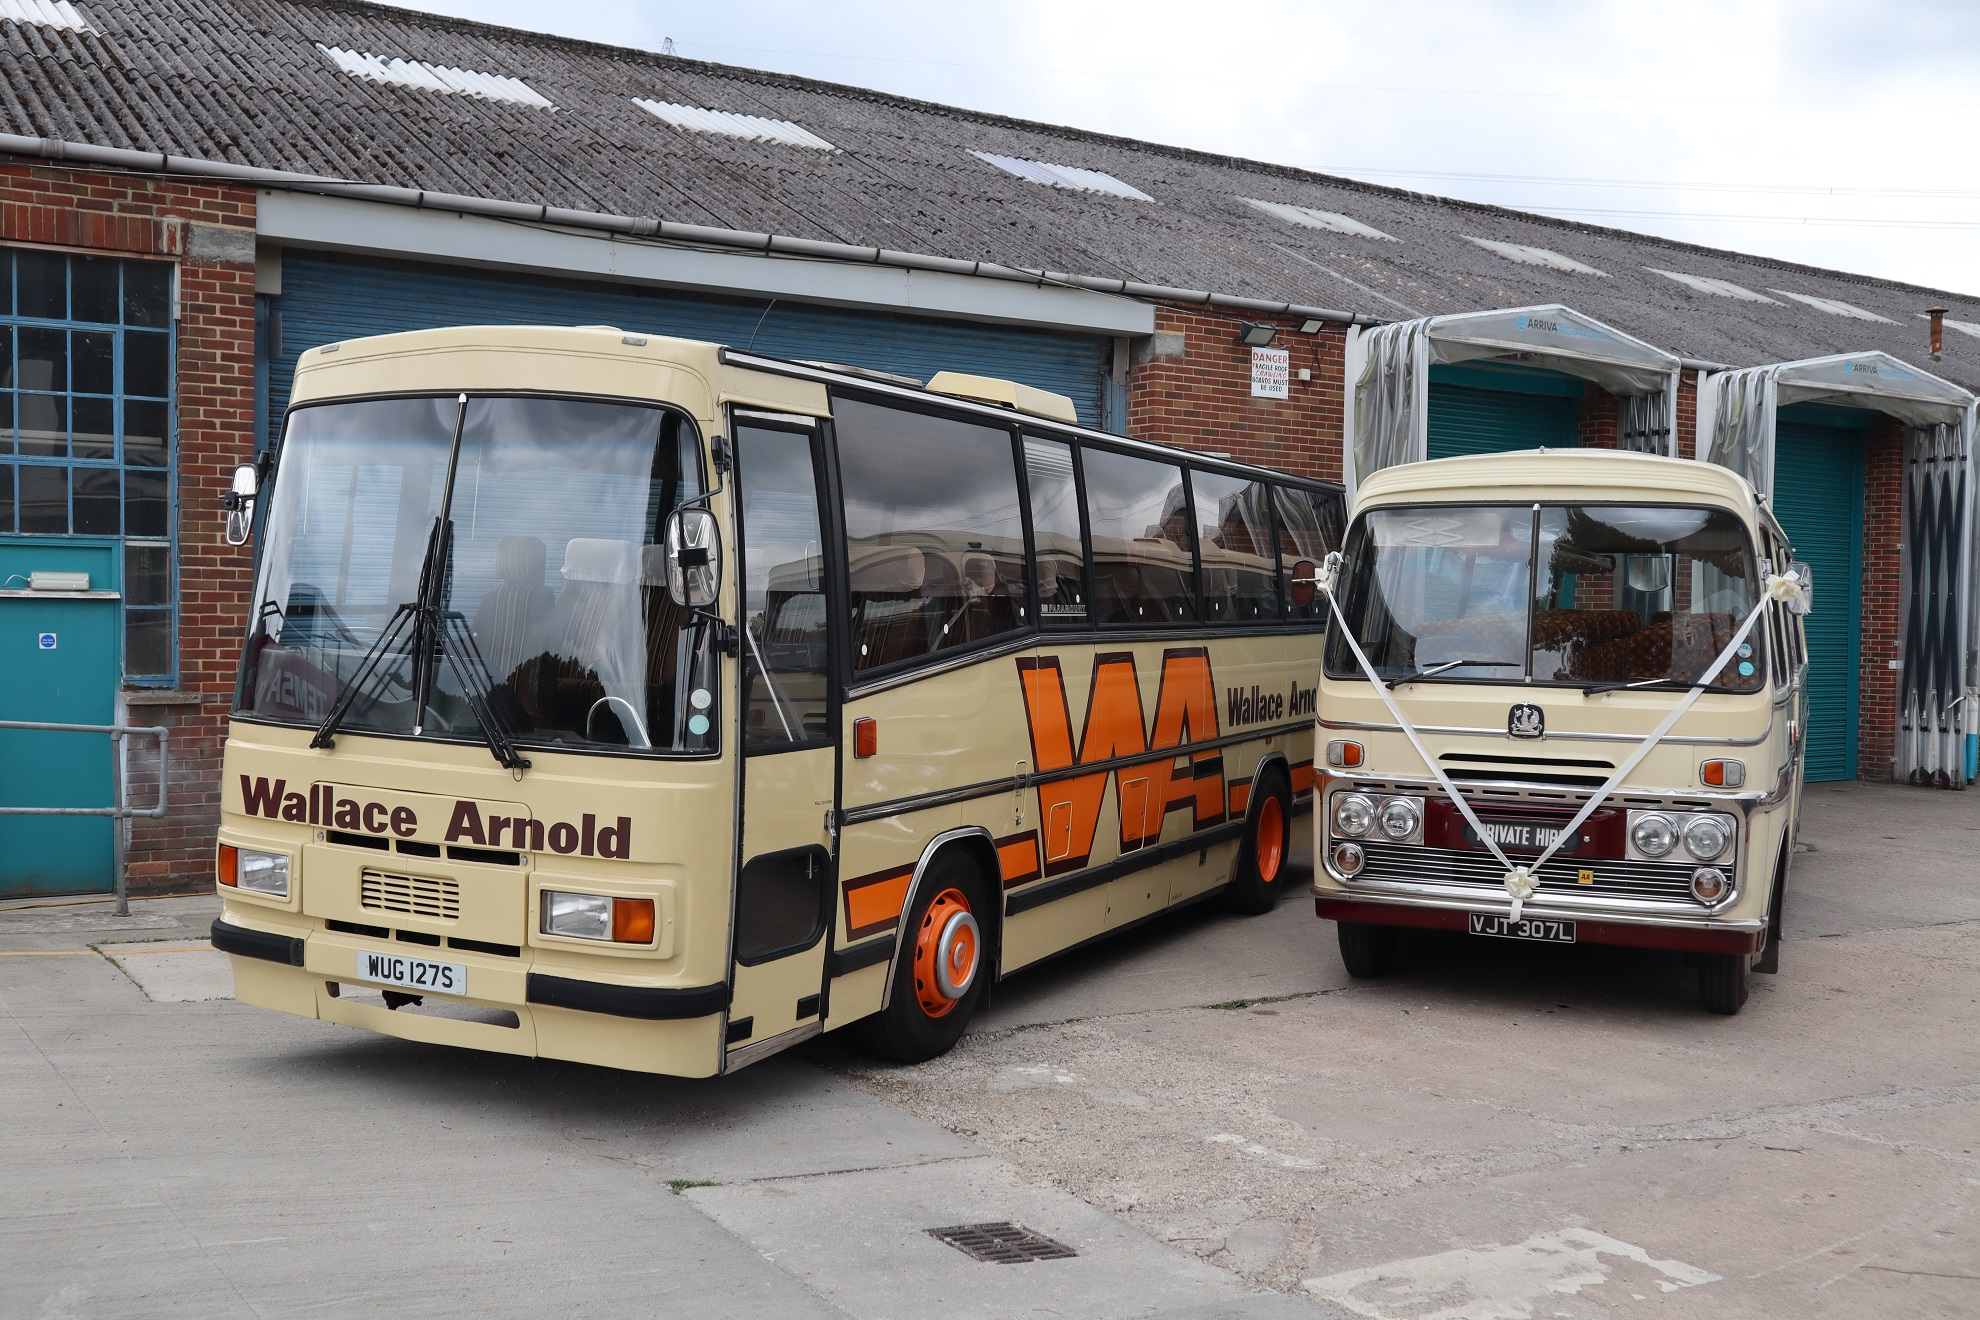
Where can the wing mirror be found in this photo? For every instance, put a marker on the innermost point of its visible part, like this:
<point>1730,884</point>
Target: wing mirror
<point>694,558</point>
<point>239,504</point>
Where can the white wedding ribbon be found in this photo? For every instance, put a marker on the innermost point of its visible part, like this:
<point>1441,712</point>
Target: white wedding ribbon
<point>1522,880</point>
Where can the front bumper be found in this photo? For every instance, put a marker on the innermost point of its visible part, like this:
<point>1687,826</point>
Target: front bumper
<point>1642,932</point>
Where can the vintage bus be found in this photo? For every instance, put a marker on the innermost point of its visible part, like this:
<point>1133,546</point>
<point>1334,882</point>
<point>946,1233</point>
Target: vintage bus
<point>1567,706</point>
<point>643,702</point>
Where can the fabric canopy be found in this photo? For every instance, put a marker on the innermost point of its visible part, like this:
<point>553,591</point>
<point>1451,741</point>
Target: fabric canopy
<point>1391,398</point>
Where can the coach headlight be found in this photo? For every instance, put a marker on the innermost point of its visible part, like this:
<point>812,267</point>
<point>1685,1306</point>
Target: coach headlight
<point>1705,837</point>
<point>1399,818</point>
<point>1652,834</point>
<point>1353,814</point>
<point>597,917</point>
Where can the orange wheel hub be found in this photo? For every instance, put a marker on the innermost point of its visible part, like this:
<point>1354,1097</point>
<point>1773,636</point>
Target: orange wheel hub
<point>946,948</point>
<point>1268,843</point>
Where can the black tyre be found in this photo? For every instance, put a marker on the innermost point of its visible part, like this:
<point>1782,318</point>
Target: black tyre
<point>1367,950</point>
<point>1264,854</point>
<point>1722,982</point>
<point>943,967</point>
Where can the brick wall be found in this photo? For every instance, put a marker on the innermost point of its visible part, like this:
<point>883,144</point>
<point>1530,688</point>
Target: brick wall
<point>1190,386</point>
<point>1600,423</point>
<point>1883,607</point>
<point>208,229</point>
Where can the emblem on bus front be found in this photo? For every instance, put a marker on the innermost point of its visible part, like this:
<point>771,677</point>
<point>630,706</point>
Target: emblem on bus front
<point>1526,720</point>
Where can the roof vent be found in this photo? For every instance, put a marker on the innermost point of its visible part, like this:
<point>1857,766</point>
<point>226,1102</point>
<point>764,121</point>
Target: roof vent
<point>751,128</point>
<point>1718,288</point>
<point>1005,394</point>
<point>1070,177</point>
<point>432,77</point>
<point>44,13</point>
<point>1331,221</point>
<point>1546,258</point>
<point>1833,307</point>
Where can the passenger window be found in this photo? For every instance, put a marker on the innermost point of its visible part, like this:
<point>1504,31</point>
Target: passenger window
<point>1309,523</point>
<point>1234,533</point>
<point>1058,549</point>
<point>783,579</point>
<point>934,539</point>
<point>1144,572</point>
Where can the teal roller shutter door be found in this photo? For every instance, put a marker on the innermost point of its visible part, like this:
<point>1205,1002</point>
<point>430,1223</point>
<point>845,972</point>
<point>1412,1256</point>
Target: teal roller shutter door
<point>1818,496</point>
<point>327,299</point>
<point>1466,420</point>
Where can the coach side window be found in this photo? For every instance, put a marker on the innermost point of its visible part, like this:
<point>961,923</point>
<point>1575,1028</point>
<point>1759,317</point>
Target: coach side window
<point>934,534</point>
<point>1309,527</point>
<point>1144,572</point>
<point>1234,531</point>
<point>1059,551</point>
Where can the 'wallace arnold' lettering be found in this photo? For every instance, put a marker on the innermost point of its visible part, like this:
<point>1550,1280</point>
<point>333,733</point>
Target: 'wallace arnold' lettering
<point>1257,706</point>
<point>325,805</point>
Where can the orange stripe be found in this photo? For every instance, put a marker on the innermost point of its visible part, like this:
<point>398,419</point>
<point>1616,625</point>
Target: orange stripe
<point>1240,797</point>
<point>1017,859</point>
<point>876,905</point>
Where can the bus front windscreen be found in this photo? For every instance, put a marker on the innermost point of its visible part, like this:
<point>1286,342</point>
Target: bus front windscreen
<point>1588,594</point>
<point>550,585</point>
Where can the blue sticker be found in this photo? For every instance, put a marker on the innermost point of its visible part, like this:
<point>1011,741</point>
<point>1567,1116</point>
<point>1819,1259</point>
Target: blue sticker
<point>46,641</point>
<point>698,724</point>
<point>1746,669</point>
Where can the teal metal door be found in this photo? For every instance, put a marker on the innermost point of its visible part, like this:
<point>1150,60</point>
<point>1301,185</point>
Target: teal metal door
<point>59,664</point>
<point>1818,496</point>
<point>1465,419</point>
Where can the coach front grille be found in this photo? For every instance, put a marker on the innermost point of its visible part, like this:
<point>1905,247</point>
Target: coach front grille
<point>1650,882</point>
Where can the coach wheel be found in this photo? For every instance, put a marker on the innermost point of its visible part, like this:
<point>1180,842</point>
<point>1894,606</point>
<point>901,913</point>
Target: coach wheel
<point>1261,865</point>
<point>1722,981</point>
<point>1367,950</point>
<point>939,976</point>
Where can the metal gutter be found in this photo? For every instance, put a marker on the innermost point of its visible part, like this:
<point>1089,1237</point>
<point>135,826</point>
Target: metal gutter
<point>154,162</point>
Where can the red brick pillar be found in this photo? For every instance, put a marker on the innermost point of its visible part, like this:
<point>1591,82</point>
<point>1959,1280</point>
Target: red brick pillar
<point>1883,600</point>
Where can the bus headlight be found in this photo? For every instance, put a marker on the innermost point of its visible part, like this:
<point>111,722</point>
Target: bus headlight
<point>1353,814</point>
<point>1653,835</point>
<point>1705,837</point>
<point>1399,818</point>
<point>263,872</point>
<point>597,917</point>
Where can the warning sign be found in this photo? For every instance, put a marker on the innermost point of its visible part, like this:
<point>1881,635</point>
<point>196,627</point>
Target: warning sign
<point>1271,370</point>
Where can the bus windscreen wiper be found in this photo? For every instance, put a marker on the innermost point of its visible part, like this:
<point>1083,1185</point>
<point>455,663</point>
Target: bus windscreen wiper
<point>1433,671</point>
<point>1592,689</point>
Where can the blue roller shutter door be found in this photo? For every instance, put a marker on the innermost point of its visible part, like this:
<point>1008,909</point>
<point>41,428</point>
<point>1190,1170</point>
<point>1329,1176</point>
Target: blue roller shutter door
<point>1818,496</point>
<point>1467,420</point>
<point>327,299</point>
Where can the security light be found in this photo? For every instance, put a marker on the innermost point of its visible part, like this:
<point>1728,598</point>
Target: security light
<point>1255,335</point>
<point>1311,327</point>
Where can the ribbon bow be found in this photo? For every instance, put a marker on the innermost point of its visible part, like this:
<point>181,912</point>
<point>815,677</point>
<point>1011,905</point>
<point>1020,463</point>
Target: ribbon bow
<point>1520,884</point>
<point>1790,590</point>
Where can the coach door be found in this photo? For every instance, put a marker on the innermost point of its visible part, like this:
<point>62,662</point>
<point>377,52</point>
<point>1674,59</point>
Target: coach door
<point>788,858</point>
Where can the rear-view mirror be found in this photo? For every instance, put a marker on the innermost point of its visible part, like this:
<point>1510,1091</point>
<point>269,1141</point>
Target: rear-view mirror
<point>240,505</point>
<point>694,558</point>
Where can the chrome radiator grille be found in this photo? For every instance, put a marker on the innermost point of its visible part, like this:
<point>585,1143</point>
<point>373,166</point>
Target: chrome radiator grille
<point>410,895</point>
<point>1661,882</point>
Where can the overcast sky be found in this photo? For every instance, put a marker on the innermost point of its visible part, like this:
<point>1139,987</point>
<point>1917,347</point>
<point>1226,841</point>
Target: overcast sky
<point>1834,132</point>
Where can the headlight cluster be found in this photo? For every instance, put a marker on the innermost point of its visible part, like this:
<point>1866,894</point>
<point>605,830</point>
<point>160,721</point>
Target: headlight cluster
<point>597,917</point>
<point>1359,816</point>
<point>1656,834</point>
<point>254,870</point>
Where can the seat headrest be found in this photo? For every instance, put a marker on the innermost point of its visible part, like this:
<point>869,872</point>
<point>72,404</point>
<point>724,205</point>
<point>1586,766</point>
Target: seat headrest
<point>888,569</point>
<point>519,560</point>
<point>590,559</point>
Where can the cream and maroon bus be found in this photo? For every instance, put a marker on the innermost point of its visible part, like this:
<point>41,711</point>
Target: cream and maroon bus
<point>642,702</point>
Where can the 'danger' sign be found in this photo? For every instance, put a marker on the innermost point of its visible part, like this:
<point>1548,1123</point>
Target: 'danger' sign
<point>1271,373</point>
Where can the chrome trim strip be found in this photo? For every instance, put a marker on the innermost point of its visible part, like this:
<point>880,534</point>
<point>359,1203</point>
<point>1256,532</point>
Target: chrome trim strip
<point>749,1054</point>
<point>1684,740</point>
<point>1534,907</point>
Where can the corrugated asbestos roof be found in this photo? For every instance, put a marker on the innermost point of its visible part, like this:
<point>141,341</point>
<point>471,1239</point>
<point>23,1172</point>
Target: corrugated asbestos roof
<point>247,81</point>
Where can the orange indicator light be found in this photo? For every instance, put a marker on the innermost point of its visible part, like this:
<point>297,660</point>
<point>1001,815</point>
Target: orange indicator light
<point>632,921</point>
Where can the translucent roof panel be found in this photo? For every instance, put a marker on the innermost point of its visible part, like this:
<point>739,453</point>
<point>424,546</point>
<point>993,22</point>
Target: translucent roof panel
<point>1545,258</point>
<point>1718,288</point>
<point>753,128</point>
<point>1833,307</point>
<point>1063,176</point>
<point>44,13</point>
<point>1331,221</point>
<point>1964,327</point>
<point>434,77</point>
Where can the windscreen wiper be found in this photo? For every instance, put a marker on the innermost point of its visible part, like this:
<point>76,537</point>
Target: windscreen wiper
<point>1592,689</point>
<point>1433,671</point>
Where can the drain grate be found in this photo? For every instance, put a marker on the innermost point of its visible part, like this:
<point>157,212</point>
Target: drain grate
<point>1003,1244</point>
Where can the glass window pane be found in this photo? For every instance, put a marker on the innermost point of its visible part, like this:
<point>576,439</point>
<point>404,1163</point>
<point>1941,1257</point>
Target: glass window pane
<point>144,504</point>
<point>6,424</point>
<point>96,501</point>
<point>94,428</point>
<point>147,363</point>
<point>147,293</point>
<point>1309,529</point>
<point>1234,536</point>
<point>44,425</point>
<point>44,281</point>
<point>1060,552</point>
<point>6,498</point>
<point>44,499</point>
<point>6,282</point>
<point>147,643</point>
<point>935,539</point>
<point>93,369</point>
<point>93,288</point>
<point>785,652</point>
<point>6,354</point>
<point>144,433</point>
<point>44,359</point>
<point>147,574</point>
<point>1142,570</point>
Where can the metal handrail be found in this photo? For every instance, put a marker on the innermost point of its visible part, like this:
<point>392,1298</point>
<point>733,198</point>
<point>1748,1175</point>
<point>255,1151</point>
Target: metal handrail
<point>118,810</point>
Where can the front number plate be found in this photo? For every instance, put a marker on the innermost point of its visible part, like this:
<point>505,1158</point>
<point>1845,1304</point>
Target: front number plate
<point>414,973</point>
<point>1526,928</point>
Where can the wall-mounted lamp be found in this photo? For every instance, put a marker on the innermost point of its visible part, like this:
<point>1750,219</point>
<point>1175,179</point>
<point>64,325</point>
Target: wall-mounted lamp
<point>1936,318</point>
<point>1253,334</point>
<point>1311,327</point>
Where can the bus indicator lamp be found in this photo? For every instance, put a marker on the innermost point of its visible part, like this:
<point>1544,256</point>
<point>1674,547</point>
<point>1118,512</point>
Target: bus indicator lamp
<point>1708,884</point>
<point>1723,774</point>
<point>866,737</point>
<point>1344,755</point>
<point>228,866</point>
<point>598,917</point>
<point>1348,859</point>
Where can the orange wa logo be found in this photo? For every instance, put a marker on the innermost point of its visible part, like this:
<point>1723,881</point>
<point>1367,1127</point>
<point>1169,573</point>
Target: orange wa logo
<point>1115,739</point>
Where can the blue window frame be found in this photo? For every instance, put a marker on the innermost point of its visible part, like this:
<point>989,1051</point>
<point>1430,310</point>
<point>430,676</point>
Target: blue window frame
<point>87,346</point>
